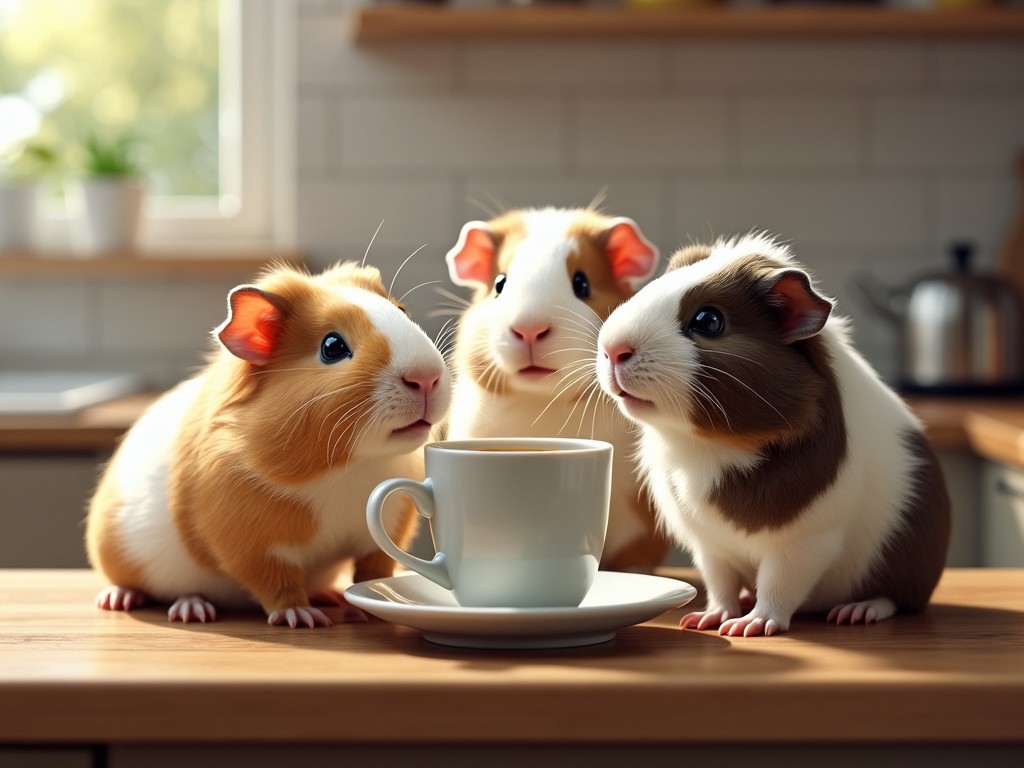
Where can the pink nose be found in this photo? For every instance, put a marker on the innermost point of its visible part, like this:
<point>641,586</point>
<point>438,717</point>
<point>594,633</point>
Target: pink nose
<point>619,353</point>
<point>422,381</point>
<point>531,333</point>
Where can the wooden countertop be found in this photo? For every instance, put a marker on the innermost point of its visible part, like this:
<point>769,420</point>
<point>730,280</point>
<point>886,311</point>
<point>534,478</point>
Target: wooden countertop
<point>70,673</point>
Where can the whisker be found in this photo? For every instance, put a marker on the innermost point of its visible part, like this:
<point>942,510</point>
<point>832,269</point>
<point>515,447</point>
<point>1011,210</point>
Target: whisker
<point>368,247</point>
<point>429,282</point>
<point>461,300</point>
<point>402,265</point>
<point>752,390</point>
<point>733,354</point>
<point>491,213</point>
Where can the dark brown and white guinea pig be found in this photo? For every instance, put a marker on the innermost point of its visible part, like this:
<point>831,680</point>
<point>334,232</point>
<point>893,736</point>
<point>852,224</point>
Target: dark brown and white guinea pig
<point>248,483</point>
<point>523,365</point>
<point>774,452</point>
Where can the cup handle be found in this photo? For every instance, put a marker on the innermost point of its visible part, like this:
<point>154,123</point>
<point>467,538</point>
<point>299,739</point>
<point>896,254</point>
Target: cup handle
<point>422,495</point>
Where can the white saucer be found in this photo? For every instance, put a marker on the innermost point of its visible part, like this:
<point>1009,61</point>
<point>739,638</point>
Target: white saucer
<point>615,601</point>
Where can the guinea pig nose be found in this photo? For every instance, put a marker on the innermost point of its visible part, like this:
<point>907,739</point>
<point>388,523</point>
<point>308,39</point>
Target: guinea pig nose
<point>419,380</point>
<point>531,333</point>
<point>619,353</point>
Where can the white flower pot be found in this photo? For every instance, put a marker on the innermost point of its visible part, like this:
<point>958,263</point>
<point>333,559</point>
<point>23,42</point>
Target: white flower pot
<point>17,215</point>
<point>106,213</point>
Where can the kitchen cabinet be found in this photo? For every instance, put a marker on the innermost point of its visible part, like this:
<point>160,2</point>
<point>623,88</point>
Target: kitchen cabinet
<point>42,510</point>
<point>1002,521</point>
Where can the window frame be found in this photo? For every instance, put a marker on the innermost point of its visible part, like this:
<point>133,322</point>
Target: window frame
<point>257,76</point>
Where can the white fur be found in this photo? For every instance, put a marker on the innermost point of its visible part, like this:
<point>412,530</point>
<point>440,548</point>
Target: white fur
<point>538,290</point>
<point>337,498</point>
<point>818,559</point>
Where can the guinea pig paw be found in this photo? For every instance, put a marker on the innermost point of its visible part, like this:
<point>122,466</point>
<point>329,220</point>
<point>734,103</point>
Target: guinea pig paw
<point>751,625</point>
<point>866,611</point>
<point>188,608</point>
<point>709,619</point>
<point>307,616</point>
<point>115,598</point>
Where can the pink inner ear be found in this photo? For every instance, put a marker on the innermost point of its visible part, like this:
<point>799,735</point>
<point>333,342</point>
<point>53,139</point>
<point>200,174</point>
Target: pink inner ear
<point>472,260</point>
<point>253,325</point>
<point>631,256</point>
<point>802,311</point>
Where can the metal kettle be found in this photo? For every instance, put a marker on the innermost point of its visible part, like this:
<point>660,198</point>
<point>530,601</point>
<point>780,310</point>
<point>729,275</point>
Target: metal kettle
<point>962,331</point>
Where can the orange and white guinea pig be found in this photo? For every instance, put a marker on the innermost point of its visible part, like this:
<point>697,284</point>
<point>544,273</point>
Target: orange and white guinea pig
<point>774,452</point>
<point>248,483</point>
<point>545,280</point>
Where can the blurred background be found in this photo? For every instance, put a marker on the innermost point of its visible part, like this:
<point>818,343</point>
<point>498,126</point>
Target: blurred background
<point>262,129</point>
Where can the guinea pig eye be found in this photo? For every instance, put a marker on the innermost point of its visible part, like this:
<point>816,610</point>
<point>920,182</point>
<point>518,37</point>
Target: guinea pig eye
<point>580,285</point>
<point>333,348</point>
<point>499,283</point>
<point>707,321</point>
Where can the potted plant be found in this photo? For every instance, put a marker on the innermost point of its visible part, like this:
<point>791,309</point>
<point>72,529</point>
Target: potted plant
<point>108,198</point>
<point>20,172</point>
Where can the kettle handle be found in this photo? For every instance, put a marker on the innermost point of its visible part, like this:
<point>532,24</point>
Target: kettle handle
<point>877,294</point>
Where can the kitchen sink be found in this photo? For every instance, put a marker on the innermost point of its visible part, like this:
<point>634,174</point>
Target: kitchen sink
<point>62,391</point>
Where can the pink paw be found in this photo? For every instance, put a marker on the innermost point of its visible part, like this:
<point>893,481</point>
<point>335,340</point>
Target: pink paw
<point>115,598</point>
<point>866,611</point>
<point>709,619</point>
<point>191,608</point>
<point>751,626</point>
<point>307,616</point>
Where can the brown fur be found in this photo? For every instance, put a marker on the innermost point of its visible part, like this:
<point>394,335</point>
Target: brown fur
<point>606,293</point>
<point>794,416</point>
<point>912,560</point>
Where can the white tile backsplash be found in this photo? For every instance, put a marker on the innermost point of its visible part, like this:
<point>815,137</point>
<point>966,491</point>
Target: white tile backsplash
<point>808,212</point>
<point>46,318</point>
<point>784,132</point>
<point>544,67</point>
<point>947,132</point>
<point>787,66</point>
<point>337,218</point>
<point>858,152</point>
<point>445,133</point>
<point>650,133</point>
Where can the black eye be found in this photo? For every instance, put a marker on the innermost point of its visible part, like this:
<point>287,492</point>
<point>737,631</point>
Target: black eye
<point>499,283</point>
<point>707,321</point>
<point>333,348</point>
<point>580,285</point>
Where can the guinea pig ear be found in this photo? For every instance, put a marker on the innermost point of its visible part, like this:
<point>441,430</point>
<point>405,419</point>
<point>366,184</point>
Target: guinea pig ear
<point>253,325</point>
<point>471,261</point>
<point>632,256</point>
<point>802,312</point>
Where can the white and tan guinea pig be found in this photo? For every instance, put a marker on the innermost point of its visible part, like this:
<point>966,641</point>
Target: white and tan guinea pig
<point>774,452</point>
<point>248,483</point>
<point>523,361</point>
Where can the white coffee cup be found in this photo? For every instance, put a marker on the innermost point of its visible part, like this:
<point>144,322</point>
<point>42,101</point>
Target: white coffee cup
<point>516,522</point>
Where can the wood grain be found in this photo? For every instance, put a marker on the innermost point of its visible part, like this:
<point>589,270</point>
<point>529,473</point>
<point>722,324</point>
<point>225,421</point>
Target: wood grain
<point>408,23</point>
<point>186,262</point>
<point>72,673</point>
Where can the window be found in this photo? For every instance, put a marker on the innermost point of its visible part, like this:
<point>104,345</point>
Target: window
<point>194,81</point>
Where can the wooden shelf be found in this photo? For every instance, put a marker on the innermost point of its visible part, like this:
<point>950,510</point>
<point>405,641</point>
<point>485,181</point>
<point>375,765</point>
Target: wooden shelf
<point>147,263</point>
<point>409,23</point>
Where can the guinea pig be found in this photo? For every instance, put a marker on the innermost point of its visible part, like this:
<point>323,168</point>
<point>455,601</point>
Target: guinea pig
<point>544,281</point>
<point>774,452</point>
<point>248,482</point>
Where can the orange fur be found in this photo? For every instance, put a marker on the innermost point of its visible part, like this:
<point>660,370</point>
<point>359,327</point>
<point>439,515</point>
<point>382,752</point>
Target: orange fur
<point>255,431</point>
